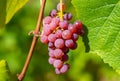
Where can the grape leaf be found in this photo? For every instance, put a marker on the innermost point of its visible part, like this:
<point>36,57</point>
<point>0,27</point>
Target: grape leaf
<point>12,7</point>
<point>102,19</point>
<point>2,13</point>
<point>4,72</point>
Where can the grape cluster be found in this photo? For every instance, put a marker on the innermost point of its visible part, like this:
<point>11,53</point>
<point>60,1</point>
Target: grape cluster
<point>60,35</point>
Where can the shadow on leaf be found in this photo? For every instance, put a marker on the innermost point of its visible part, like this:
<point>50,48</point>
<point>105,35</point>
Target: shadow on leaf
<point>85,39</point>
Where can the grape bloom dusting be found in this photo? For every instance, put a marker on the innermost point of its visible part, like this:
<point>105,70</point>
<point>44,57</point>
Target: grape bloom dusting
<point>61,36</point>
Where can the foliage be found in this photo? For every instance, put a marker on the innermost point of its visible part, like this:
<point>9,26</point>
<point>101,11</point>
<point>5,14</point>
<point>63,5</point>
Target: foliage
<point>4,72</point>
<point>102,17</point>
<point>98,16</point>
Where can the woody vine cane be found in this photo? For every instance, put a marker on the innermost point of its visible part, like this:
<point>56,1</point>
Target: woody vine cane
<point>34,41</point>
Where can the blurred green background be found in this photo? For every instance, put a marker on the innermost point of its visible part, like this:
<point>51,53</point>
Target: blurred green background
<point>15,44</point>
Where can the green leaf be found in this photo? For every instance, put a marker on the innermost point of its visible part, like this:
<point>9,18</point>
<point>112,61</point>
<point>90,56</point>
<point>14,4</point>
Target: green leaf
<point>2,13</point>
<point>12,7</point>
<point>102,19</point>
<point>4,72</point>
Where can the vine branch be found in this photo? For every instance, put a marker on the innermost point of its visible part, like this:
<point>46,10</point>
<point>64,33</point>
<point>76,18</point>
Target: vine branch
<point>33,44</point>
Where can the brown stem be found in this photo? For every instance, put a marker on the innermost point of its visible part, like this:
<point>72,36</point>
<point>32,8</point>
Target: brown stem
<point>34,41</point>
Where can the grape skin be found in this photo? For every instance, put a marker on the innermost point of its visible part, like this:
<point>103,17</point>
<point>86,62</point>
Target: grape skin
<point>58,64</point>
<point>59,43</point>
<point>63,6</point>
<point>64,68</point>
<point>51,37</point>
<point>57,71</point>
<point>51,60</point>
<point>58,33</point>
<point>78,25</point>
<point>66,34</point>
<point>51,53</point>
<point>44,39</point>
<point>63,24</point>
<point>69,43</point>
<point>53,13</point>
<point>67,16</point>
<point>58,53</point>
<point>47,20</point>
<point>72,28</point>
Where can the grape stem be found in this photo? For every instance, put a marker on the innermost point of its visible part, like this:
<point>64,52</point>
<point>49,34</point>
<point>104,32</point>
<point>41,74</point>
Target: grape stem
<point>33,44</point>
<point>61,11</point>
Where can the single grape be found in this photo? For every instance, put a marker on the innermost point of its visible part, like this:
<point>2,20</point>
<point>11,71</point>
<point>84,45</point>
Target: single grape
<point>74,46</point>
<point>75,36</point>
<point>47,20</point>
<point>51,53</point>
<point>72,28</point>
<point>46,30</point>
<point>44,39</point>
<point>63,24</point>
<point>78,25</point>
<point>66,34</point>
<point>64,68</point>
<point>59,43</point>
<point>53,26</point>
<point>51,37</point>
<point>58,53</point>
<point>53,13</point>
<point>69,43</point>
<point>67,16</point>
<point>58,64</point>
<point>56,20</point>
<point>50,45</point>
<point>51,60</point>
<point>57,71</point>
<point>81,32</point>
<point>63,6</point>
<point>58,33</point>
<point>65,57</point>
<point>65,49</point>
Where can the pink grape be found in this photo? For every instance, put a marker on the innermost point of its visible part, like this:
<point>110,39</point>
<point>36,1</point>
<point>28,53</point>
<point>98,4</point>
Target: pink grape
<point>44,39</point>
<point>50,44</point>
<point>58,33</point>
<point>58,53</point>
<point>58,64</point>
<point>57,71</point>
<point>53,13</point>
<point>67,16</point>
<point>46,30</point>
<point>63,24</point>
<point>47,20</point>
<point>51,37</point>
<point>53,26</point>
<point>51,53</point>
<point>63,7</point>
<point>69,43</point>
<point>78,25</point>
<point>66,34</point>
<point>59,43</point>
<point>64,68</point>
<point>75,37</point>
<point>56,20</point>
<point>72,28</point>
<point>51,60</point>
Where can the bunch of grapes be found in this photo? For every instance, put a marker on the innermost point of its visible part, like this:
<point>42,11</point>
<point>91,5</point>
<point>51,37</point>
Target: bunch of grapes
<point>60,35</point>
